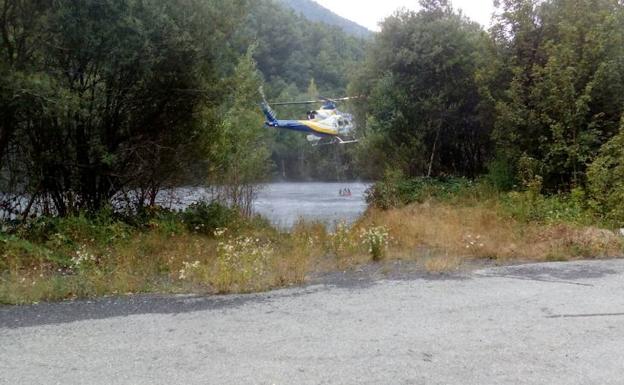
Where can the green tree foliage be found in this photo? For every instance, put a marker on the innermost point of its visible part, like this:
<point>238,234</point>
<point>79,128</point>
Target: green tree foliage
<point>424,107</point>
<point>565,95</point>
<point>292,54</point>
<point>606,178</point>
<point>292,49</point>
<point>313,11</point>
<point>102,98</point>
<point>119,99</point>
<point>539,96</point>
<point>240,146</point>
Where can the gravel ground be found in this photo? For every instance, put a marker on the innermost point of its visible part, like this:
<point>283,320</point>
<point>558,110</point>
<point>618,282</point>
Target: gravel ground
<point>557,323</point>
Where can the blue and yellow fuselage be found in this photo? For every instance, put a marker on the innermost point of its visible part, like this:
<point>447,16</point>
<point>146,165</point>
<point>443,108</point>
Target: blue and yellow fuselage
<point>307,126</point>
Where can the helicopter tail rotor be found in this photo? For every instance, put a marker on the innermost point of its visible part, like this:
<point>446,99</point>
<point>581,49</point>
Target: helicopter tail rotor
<point>267,110</point>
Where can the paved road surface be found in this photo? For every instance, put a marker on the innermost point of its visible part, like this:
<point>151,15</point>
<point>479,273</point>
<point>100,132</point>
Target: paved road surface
<point>532,324</point>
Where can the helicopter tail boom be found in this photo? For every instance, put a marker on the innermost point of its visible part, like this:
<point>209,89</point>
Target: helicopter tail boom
<point>270,114</point>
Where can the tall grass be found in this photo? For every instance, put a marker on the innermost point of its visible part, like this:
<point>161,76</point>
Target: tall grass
<point>457,218</point>
<point>56,259</point>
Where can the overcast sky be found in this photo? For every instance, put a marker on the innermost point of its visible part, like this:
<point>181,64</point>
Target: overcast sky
<point>370,12</point>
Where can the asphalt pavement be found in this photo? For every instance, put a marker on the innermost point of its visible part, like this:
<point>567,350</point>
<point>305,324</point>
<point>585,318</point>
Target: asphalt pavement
<point>556,323</point>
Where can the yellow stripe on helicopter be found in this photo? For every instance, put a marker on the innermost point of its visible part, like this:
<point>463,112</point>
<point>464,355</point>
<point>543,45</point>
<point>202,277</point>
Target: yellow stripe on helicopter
<point>318,128</point>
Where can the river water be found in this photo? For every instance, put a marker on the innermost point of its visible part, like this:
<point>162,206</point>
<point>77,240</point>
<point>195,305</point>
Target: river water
<point>285,203</point>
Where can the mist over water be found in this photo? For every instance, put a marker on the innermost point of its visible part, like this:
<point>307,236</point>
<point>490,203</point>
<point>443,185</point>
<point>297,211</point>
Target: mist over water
<point>285,203</point>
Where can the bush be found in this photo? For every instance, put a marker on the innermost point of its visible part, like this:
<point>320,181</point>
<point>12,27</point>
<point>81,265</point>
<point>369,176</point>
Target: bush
<point>16,253</point>
<point>394,191</point>
<point>528,206</point>
<point>103,228</point>
<point>385,193</point>
<point>341,242</point>
<point>205,218</point>
<point>422,189</point>
<point>606,180</point>
<point>501,174</point>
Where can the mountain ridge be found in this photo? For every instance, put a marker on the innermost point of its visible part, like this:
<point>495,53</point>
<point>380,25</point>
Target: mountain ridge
<point>315,12</point>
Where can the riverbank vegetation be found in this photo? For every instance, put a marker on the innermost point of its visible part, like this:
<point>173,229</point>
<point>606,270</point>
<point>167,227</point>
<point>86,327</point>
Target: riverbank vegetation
<point>208,248</point>
<point>499,145</point>
<point>467,219</point>
<point>436,226</point>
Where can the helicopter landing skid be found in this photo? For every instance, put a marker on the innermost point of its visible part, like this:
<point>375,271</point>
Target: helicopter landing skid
<point>350,141</point>
<point>334,140</point>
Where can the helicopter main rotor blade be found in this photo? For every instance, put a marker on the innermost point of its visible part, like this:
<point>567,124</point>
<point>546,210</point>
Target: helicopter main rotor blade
<point>336,100</point>
<point>296,103</point>
<point>322,100</point>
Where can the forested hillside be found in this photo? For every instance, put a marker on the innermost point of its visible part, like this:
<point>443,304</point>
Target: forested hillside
<point>292,50</point>
<point>313,11</point>
<point>302,60</point>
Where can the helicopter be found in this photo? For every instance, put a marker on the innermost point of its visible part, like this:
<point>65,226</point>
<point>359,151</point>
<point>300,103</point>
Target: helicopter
<point>324,126</point>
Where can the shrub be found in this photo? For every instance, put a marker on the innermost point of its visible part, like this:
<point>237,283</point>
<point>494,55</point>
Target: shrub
<point>83,259</point>
<point>189,270</point>
<point>606,180</point>
<point>17,253</point>
<point>103,228</point>
<point>501,174</point>
<point>530,205</point>
<point>156,218</point>
<point>385,194</point>
<point>205,218</point>
<point>393,191</point>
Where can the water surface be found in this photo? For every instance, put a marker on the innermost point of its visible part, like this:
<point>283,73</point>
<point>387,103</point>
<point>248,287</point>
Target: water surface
<point>285,203</point>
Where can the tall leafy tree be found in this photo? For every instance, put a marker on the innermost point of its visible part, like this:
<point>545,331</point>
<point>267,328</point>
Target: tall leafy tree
<point>105,95</point>
<point>241,151</point>
<point>565,61</point>
<point>424,106</point>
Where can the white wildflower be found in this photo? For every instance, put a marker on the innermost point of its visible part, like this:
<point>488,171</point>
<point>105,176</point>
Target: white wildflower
<point>82,257</point>
<point>376,239</point>
<point>188,269</point>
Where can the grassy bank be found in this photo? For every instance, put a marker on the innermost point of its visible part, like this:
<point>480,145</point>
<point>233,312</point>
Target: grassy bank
<point>210,249</point>
<point>451,221</point>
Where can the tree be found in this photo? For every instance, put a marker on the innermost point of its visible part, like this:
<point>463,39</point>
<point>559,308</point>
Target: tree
<point>292,49</point>
<point>423,99</point>
<point>242,151</point>
<point>606,179</point>
<point>104,96</point>
<point>565,95</point>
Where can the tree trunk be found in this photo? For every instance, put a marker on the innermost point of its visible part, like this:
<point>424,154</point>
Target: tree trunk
<point>433,151</point>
